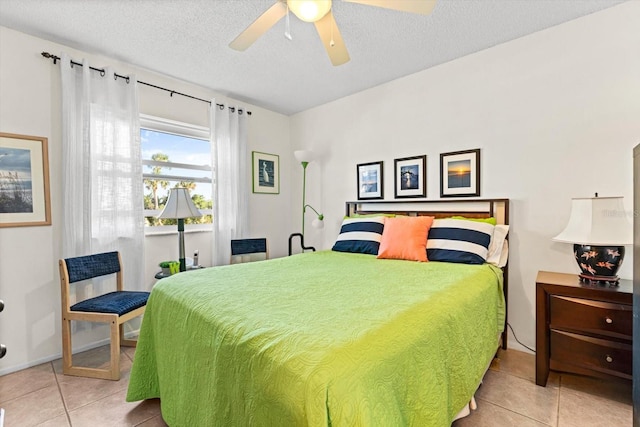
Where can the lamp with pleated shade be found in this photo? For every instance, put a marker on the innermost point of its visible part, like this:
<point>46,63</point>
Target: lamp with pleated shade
<point>180,206</point>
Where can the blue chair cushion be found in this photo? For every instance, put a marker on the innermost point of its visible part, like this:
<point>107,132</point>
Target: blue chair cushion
<point>120,302</point>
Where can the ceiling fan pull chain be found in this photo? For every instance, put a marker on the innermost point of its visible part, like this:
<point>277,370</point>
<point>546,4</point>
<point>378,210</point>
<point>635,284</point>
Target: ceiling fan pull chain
<point>332,43</point>
<point>287,26</point>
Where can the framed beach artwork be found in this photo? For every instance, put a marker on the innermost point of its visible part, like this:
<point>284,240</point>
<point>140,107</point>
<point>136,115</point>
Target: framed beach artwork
<point>370,181</point>
<point>266,173</point>
<point>24,181</point>
<point>460,173</point>
<point>410,177</point>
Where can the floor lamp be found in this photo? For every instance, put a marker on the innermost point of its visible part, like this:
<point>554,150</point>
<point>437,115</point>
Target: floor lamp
<point>305,157</point>
<point>180,206</point>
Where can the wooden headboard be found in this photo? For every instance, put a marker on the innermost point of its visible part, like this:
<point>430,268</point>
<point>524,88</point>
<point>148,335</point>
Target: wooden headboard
<point>472,208</point>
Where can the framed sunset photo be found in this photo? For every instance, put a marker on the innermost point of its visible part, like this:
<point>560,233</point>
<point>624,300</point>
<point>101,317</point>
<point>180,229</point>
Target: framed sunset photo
<point>460,173</point>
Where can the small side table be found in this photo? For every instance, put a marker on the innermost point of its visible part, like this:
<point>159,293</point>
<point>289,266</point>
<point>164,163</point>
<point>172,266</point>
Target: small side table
<point>583,328</point>
<point>160,275</point>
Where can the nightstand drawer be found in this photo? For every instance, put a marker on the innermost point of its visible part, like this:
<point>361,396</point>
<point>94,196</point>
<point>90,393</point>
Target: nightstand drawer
<point>597,317</point>
<point>591,353</point>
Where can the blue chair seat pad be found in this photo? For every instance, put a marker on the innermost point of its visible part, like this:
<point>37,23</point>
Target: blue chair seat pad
<point>119,302</point>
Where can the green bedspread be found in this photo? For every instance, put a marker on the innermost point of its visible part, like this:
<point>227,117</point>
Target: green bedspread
<point>318,339</point>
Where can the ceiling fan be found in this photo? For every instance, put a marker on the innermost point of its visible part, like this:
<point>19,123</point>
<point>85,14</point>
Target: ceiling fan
<point>319,12</point>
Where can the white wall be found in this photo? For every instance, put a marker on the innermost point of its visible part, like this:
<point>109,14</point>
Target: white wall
<point>30,102</point>
<point>556,115</point>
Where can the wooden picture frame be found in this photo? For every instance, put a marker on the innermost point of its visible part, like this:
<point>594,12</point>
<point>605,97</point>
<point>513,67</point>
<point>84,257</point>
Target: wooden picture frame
<point>265,173</point>
<point>460,173</point>
<point>370,180</point>
<point>24,181</point>
<point>410,175</point>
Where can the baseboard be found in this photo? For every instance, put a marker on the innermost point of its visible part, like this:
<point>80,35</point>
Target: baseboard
<point>57,356</point>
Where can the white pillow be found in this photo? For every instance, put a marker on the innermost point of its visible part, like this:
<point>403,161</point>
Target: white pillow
<point>499,248</point>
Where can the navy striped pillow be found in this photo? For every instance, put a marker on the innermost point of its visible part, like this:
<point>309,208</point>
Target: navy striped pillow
<point>360,235</point>
<point>459,241</point>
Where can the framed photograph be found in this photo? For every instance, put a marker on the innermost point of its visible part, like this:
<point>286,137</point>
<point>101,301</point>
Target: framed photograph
<point>370,181</point>
<point>410,177</point>
<point>266,173</point>
<point>460,173</point>
<point>24,181</point>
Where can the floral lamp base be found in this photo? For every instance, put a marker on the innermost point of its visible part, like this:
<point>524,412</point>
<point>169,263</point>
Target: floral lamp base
<point>599,263</point>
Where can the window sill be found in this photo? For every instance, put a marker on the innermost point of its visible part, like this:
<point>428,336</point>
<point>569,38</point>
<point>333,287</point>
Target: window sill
<point>159,231</point>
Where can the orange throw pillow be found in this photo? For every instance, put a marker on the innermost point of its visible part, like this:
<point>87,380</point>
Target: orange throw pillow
<point>405,237</point>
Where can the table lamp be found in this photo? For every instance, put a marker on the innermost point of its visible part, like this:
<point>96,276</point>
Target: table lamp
<point>180,206</point>
<point>598,228</point>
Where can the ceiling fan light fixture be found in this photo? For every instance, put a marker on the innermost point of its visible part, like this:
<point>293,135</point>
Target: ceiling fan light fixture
<point>309,10</point>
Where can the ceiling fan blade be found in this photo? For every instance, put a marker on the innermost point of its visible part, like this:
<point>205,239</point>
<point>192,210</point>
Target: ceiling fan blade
<point>332,39</point>
<point>423,7</point>
<point>259,26</point>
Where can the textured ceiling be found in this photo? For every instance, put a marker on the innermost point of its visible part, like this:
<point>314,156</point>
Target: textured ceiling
<point>188,39</point>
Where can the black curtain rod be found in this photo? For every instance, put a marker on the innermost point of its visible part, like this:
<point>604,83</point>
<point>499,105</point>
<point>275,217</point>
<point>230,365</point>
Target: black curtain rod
<point>116,75</point>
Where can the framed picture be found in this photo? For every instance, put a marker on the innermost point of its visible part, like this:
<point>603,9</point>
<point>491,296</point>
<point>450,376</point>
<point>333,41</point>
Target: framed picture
<point>24,181</point>
<point>410,177</point>
<point>266,173</point>
<point>370,182</point>
<point>460,173</point>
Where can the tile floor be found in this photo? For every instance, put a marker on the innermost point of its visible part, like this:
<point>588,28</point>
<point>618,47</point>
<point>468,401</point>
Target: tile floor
<point>42,396</point>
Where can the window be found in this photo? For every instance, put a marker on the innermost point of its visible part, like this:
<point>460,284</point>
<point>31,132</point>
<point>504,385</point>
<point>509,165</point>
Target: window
<point>175,154</point>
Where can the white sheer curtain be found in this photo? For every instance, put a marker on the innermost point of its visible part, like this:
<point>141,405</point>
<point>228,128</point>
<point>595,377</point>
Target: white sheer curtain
<point>230,180</point>
<point>102,169</point>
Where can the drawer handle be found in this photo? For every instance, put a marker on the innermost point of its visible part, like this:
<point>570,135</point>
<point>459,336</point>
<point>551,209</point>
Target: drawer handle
<point>609,359</point>
<point>608,320</point>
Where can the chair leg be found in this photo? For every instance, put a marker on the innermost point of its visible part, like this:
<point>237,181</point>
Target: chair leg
<point>115,350</point>
<point>66,346</point>
<point>125,342</point>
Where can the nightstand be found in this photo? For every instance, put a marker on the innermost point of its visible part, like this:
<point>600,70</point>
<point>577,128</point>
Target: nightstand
<point>583,328</point>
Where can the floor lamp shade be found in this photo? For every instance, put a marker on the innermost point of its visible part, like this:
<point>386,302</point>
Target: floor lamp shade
<point>598,227</point>
<point>180,206</point>
<point>306,156</point>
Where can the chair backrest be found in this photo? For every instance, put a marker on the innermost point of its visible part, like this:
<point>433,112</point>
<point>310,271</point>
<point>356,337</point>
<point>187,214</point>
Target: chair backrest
<point>241,247</point>
<point>87,267</point>
<point>90,266</point>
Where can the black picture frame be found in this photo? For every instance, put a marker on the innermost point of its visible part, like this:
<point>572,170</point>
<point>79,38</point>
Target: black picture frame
<point>370,180</point>
<point>410,177</point>
<point>460,173</point>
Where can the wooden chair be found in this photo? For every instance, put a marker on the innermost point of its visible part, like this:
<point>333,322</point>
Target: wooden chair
<point>114,308</point>
<point>246,247</point>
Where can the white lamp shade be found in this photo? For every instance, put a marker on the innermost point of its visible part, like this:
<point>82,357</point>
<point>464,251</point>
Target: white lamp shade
<point>304,156</point>
<point>179,205</point>
<point>317,223</point>
<point>598,221</point>
<point>309,10</point>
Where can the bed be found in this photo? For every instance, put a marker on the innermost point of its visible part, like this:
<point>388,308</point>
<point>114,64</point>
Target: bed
<point>323,338</point>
